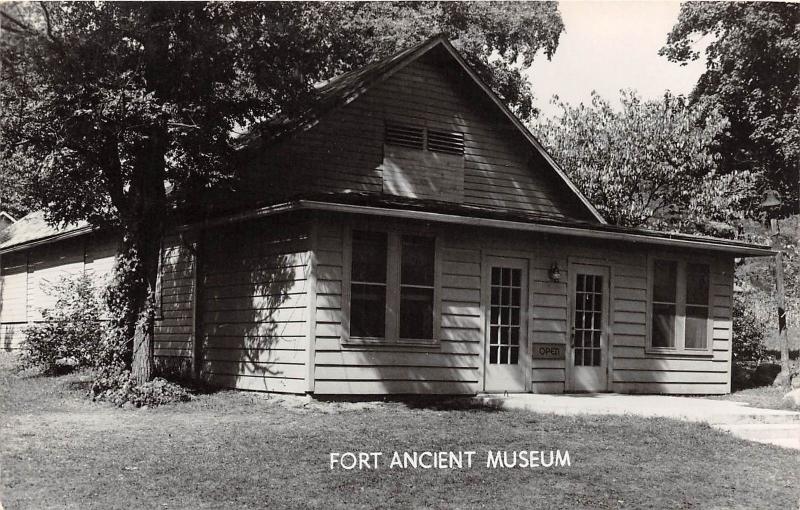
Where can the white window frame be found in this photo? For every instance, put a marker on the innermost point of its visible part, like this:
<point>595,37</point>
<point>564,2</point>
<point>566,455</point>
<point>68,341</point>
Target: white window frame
<point>680,306</point>
<point>393,264</point>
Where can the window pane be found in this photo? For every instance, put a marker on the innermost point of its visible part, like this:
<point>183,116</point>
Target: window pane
<point>697,277</point>
<point>367,310</point>
<point>495,276</point>
<point>503,356</point>
<point>663,325</point>
<point>417,260</point>
<point>664,280</point>
<point>369,257</point>
<point>416,313</point>
<point>696,327</point>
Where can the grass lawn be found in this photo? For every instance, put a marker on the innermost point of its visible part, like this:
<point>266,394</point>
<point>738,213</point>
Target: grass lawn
<point>245,450</point>
<point>767,397</point>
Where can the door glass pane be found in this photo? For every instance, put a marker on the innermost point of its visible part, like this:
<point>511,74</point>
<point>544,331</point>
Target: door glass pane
<point>588,320</point>
<point>505,316</point>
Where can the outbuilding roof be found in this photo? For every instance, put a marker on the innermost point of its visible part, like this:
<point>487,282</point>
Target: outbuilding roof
<point>34,229</point>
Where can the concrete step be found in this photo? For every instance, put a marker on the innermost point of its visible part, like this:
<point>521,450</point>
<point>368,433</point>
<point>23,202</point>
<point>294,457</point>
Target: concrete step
<point>769,417</point>
<point>781,434</point>
<point>696,409</point>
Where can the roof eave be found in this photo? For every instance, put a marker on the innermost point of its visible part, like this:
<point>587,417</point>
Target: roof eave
<point>652,238</point>
<point>24,245</point>
<point>732,247</point>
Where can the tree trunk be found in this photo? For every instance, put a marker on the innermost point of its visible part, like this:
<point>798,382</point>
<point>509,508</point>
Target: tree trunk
<point>147,203</point>
<point>142,251</point>
<point>143,365</point>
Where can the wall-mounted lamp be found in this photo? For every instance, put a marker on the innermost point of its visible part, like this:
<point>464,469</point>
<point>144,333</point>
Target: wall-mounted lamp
<point>555,272</point>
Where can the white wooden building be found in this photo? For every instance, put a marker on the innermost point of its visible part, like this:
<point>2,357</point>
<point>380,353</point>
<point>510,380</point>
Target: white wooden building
<point>410,235</point>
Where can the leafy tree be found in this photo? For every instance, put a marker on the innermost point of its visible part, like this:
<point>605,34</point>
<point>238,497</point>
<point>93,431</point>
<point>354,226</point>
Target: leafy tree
<point>753,76</point>
<point>647,163</point>
<point>748,331</point>
<point>12,195</point>
<point>105,105</point>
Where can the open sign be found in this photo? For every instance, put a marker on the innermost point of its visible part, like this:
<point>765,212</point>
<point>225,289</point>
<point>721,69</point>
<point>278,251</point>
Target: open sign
<point>548,351</point>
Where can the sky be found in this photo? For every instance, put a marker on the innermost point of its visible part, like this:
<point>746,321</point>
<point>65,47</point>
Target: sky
<point>608,46</point>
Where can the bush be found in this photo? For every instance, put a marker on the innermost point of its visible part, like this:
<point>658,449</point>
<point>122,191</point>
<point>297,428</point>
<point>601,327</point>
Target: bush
<point>748,333</point>
<point>118,387</point>
<point>73,330</point>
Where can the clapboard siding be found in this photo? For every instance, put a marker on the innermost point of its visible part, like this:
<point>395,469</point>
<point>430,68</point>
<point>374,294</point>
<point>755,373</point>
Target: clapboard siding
<point>101,255</point>
<point>13,295</point>
<point>253,305</point>
<point>47,265</point>
<point>27,277</point>
<point>452,366</point>
<point>456,360</point>
<point>174,327</point>
<point>345,151</point>
<point>637,370</point>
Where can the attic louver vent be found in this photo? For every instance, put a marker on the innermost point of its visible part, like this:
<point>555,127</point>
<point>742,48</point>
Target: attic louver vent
<point>447,142</point>
<point>405,136</point>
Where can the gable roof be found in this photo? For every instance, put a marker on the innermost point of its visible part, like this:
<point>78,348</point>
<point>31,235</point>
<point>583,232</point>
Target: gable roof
<point>34,229</point>
<point>346,88</point>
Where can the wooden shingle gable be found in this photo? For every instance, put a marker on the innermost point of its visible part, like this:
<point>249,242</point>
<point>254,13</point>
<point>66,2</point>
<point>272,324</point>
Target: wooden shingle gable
<point>356,107</point>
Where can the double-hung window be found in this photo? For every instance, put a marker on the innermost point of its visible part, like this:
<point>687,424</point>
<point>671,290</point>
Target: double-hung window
<point>680,318</point>
<point>392,288</point>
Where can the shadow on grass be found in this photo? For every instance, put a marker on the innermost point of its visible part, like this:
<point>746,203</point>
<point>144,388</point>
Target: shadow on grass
<point>84,385</point>
<point>59,370</point>
<point>429,402</point>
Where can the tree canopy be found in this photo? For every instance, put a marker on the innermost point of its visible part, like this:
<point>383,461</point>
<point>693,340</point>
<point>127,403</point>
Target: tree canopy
<point>90,89</point>
<point>105,104</point>
<point>753,76</point>
<point>648,163</point>
<point>12,192</point>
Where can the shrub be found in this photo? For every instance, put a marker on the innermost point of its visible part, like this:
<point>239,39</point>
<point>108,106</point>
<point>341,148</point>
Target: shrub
<point>72,329</point>
<point>748,333</point>
<point>116,385</point>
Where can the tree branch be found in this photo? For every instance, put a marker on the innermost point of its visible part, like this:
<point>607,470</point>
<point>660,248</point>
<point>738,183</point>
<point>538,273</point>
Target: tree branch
<point>182,125</point>
<point>48,25</point>
<point>20,24</point>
